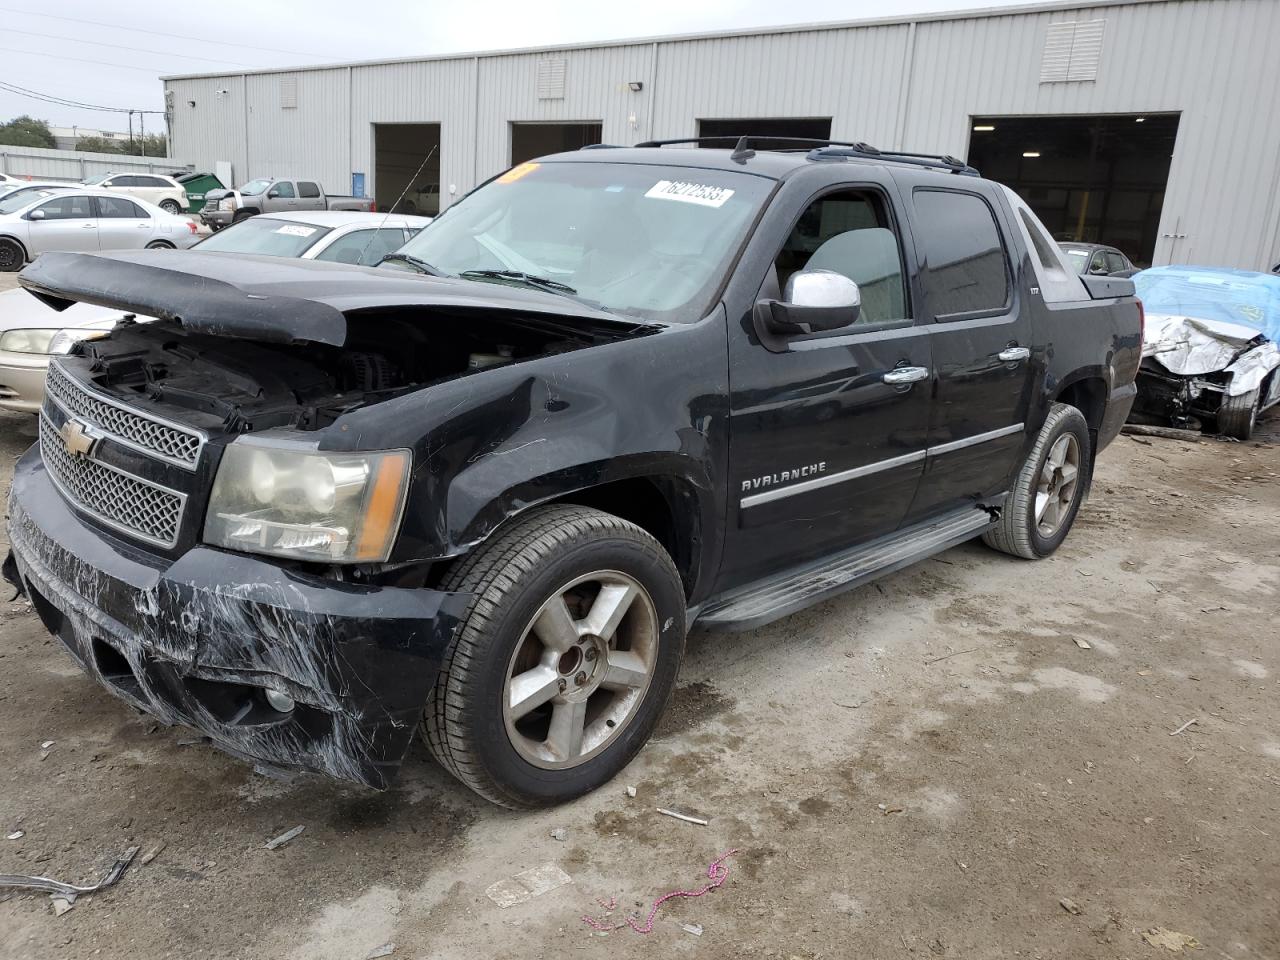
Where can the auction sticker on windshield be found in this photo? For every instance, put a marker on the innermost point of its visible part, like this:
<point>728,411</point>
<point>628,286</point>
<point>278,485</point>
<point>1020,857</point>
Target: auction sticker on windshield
<point>296,230</point>
<point>702,194</point>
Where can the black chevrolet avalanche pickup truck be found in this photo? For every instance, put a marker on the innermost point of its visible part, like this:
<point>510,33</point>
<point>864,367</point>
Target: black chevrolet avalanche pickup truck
<point>484,489</point>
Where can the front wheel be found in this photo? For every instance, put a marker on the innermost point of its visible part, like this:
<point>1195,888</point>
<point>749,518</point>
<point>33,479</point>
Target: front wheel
<point>1046,496</point>
<point>1238,415</point>
<point>564,660</point>
<point>12,256</point>
<point>159,245</point>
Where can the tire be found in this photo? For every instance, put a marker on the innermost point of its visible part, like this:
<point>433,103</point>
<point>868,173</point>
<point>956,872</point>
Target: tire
<point>241,215</point>
<point>159,245</point>
<point>1021,531</point>
<point>12,256</point>
<point>1237,415</point>
<point>170,206</point>
<point>514,579</point>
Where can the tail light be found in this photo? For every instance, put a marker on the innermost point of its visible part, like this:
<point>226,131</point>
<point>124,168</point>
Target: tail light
<point>1142,322</point>
<point>191,225</point>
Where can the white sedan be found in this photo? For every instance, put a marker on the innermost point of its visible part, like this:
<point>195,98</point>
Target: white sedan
<point>84,221</point>
<point>342,236</point>
<point>31,332</point>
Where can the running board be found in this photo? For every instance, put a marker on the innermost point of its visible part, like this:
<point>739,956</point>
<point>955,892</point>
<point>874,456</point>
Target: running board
<point>769,600</point>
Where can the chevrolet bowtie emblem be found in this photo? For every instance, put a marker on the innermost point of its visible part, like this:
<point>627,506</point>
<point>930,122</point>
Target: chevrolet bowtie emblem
<point>78,441</point>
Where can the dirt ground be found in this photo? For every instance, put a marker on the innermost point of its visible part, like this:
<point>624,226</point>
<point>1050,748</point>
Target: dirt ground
<point>924,768</point>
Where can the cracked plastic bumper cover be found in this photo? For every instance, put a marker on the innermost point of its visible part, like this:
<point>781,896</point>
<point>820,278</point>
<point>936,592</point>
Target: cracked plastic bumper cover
<point>198,641</point>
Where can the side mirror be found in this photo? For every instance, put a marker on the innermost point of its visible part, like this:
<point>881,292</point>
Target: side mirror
<point>108,184</point>
<point>36,215</point>
<point>273,194</point>
<point>814,300</point>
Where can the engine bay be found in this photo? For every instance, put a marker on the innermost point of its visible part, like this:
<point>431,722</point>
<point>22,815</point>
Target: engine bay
<point>249,386</point>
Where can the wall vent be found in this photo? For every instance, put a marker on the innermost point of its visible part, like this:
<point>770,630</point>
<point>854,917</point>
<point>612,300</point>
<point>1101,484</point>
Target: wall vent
<point>1072,51</point>
<point>551,79</point>
<point>288,93</point>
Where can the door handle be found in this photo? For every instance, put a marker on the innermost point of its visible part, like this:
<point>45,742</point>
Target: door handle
<point>901,375</point>
<point>87,226</point>
<point>1014,353</point>
<point>144,226</point>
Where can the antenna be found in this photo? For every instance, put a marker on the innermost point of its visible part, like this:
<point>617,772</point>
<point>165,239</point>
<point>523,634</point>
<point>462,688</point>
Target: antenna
<point>412,180</point>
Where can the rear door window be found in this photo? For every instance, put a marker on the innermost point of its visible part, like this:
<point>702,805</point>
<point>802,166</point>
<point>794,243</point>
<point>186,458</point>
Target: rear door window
<point>120,208</point>
<point>966,269</point>
<point>1116,262</point>
<point>308,190</point>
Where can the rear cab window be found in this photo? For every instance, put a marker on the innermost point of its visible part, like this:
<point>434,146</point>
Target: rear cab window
<point>966,271</point>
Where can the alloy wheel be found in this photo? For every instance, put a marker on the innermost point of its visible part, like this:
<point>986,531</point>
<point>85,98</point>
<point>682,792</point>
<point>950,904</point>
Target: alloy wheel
<point>581,669</point>
<point>1056,487</point>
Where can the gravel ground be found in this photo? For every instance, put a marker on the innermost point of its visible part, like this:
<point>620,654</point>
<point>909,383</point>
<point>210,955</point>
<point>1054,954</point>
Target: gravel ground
<point>924,768</point>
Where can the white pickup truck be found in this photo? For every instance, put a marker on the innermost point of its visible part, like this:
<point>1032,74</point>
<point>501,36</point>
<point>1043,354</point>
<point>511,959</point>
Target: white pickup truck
<point>269,195</point>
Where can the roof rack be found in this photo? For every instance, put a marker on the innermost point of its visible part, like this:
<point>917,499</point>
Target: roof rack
<point>744,147</point>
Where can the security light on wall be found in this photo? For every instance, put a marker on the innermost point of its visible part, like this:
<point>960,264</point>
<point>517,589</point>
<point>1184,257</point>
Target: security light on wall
<point>1032,154</point>
<point>636,86</point>
<point>983,128</point>
<point>191,103</point>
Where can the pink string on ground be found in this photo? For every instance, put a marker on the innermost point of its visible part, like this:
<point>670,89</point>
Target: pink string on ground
<point>717,873</point>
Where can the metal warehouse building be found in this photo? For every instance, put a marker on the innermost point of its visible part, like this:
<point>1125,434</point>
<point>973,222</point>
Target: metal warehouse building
<point>1153,125</point>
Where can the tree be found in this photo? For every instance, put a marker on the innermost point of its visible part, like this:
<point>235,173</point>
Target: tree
<point>99,145</point>
<point>152,145</point>
<point>26,131</point>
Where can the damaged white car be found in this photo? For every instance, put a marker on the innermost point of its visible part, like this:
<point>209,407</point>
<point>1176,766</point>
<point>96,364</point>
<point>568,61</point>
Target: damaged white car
<point>1211,349</point>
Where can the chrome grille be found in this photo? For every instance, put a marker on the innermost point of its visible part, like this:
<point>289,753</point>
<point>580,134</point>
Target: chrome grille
<point>172,443</point>
<point>127,503</point>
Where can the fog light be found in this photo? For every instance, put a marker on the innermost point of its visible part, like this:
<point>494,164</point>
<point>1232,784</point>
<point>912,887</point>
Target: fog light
<point>279,701</point>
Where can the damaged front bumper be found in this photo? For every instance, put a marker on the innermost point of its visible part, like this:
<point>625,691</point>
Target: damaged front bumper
<point>200,641</point>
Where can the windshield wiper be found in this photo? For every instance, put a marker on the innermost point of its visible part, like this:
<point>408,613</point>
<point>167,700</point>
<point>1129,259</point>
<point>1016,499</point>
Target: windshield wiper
<point>417,262</point>
<point>528,279</point>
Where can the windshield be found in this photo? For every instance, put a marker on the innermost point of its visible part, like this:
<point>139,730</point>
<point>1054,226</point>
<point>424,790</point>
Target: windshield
<point>1076,257</point>
<point>652,241</point>
<point>264,235</point>
<point>255,187</point>
<point>22,198</point>
<point>1251,300</point>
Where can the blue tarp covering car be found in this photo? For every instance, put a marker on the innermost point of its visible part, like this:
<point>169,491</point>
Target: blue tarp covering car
<point>1212,346</point>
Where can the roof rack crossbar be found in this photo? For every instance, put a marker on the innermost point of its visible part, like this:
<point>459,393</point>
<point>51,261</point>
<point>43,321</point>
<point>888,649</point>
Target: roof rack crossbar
<point>743,147</point>
<point>930,160</point>
<point>754,140</point>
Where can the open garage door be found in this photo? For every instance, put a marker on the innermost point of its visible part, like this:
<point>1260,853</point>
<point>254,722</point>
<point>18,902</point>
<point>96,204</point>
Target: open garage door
<point>1094,179</point>
<point>399,151</point>
<point>808,128</point>
<point>529,140</point>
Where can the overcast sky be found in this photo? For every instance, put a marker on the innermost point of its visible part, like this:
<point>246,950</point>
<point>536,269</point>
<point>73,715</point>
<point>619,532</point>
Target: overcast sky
<point>113,54</point>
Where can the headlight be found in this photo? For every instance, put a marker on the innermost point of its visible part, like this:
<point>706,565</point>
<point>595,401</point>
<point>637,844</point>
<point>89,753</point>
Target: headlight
<point>227,204</point>
<point>327,507</point>
<point>46,341</point>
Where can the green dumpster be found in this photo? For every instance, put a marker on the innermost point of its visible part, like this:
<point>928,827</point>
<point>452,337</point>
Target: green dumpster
<point>197,185</point>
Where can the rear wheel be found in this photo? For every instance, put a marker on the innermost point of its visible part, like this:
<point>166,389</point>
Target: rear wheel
<point>564,660</point>
<point>159,245</point>
<point>170,206</point>
<point>12,256</point>
<point>1238,414</point>
<point>1039,511</point>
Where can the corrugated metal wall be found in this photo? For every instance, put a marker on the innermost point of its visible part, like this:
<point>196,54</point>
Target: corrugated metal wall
<point>39,163</point>
<point>911,85</point>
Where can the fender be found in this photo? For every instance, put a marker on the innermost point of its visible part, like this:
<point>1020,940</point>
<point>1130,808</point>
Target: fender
<point>492,444</point>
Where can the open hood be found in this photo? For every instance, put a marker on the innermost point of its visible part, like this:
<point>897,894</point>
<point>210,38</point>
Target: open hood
<point>271,299</point>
